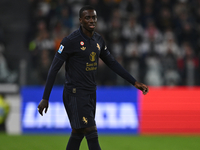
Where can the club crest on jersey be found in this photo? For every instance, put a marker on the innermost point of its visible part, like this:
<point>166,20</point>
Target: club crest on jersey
<point>82,43</point>
<point>60,49</point>
<point>98,46</point>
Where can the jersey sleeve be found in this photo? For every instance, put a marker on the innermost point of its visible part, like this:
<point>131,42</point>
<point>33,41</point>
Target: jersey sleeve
<point>104,51</point>
<point>64,49</point>
<point>60,57</point>
<point>109,60</point>
<point>55,67</point>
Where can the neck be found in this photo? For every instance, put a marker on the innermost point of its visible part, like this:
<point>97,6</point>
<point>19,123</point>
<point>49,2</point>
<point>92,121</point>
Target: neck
<point>87,32</point>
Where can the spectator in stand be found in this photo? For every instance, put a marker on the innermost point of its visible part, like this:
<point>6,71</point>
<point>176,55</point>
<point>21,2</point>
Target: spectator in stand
<point>98,5</point>
<point>43,66</point>
<point>42,42</point>
<point>6,75</point>
<point>115,26</point>
<point>66,18</point>
<point>169,45</point>
<point>152,32</point>
<point>129,7</point>
<point>132,30</point>
<point>189,66</point>
<point>109,6</point>
<point>115,35</point>
<point>58,33</point>
<point>151,71</point>
<point>170,52</point>
<point>132,58</point>
<point>164,4</point>
<point>147,12</point>
<point>154,70</point>
<point>188,34</point>
<point>165,19</point>
<point>152,37</point>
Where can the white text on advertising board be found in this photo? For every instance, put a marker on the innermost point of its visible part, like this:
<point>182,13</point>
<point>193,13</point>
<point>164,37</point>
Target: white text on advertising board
<point>108,115</point>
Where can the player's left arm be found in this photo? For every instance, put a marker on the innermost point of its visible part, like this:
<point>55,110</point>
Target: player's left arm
<point>142,87</point>
<point>117,68</point>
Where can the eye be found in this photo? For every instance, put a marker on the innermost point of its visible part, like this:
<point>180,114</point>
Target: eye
<point>87,17</point>
<point>94,17</point>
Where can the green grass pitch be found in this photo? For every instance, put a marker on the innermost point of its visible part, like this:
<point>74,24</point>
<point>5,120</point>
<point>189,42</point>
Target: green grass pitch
<point>107,142</point>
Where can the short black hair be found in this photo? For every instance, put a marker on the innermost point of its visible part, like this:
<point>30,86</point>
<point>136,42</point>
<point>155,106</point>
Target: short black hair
<point>87,7</point>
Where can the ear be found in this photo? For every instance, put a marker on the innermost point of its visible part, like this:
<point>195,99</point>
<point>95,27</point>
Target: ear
<point>80,20</point>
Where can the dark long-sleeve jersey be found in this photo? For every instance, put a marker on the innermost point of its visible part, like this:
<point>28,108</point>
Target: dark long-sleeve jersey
<point>80,54</point>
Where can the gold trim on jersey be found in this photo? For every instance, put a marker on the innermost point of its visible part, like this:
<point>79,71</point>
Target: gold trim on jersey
<point>98,46</point>
<point>83,48</point>
<point>85,120</point>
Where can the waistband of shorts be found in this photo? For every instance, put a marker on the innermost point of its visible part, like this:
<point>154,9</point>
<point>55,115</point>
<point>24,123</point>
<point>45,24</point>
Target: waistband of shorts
<point>78,90</point>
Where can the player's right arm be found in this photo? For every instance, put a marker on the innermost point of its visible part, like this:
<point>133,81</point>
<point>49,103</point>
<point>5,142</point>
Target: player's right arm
<point>60,57</point>
<point>55,67</point>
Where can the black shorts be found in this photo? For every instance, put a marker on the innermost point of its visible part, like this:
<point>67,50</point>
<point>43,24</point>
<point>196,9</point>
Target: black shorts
<point>80,108</point>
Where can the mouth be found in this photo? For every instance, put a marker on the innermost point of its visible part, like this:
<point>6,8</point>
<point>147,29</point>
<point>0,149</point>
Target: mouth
<point>92,26</point>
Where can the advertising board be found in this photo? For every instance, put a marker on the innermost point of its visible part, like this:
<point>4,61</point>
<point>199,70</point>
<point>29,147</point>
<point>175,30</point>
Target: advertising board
<point>120,110</point>
<point>117,111</point>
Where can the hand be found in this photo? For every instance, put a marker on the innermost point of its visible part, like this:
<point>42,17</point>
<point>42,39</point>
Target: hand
<point>44,104</point>
<point>142,87</point>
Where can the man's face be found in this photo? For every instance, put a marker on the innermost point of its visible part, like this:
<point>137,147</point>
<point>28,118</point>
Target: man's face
<point>88,20</point>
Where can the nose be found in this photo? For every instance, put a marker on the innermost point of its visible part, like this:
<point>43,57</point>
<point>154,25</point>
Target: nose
<point>91,19</point>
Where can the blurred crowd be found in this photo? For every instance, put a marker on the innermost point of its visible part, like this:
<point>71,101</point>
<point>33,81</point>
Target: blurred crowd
<point>157,41</point>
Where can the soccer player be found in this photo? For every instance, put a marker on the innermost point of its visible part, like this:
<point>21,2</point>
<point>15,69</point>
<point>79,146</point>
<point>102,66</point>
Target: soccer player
<point>80,51</point>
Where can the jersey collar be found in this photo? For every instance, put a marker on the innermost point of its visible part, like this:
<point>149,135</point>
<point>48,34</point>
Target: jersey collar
<point>85,36</point>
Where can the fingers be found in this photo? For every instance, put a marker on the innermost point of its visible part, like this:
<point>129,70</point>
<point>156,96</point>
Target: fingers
<point>46,110</point>
<point>40,110</point>
<point>43,105</point>
<point>145,90</point>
